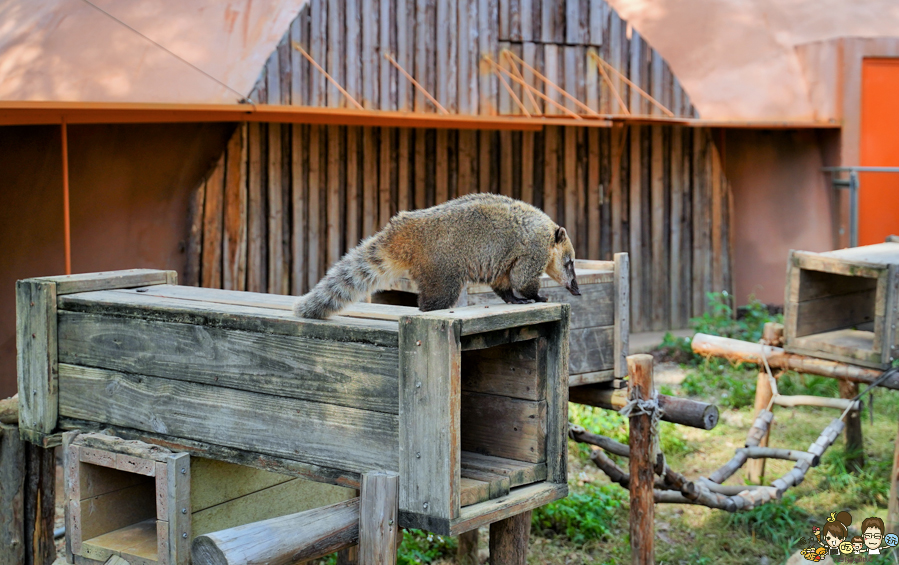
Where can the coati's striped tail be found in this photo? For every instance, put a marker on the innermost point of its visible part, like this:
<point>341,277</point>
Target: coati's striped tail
<point>360,271</point>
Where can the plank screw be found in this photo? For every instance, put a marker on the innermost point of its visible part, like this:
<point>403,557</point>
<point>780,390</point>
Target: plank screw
<point>184,535</point>
<point>418,384</point>
<point>32,303</point>
<point>33,336</point>
<point>390,523</point>
<point>184,510</point>
<point>418,454</point>
<point>486,306</point>
<point>418,342</point>
<point>183,471</point>
<point>425,505</point>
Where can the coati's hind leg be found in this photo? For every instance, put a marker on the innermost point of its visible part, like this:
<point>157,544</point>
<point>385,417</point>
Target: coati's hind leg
<point>502,286</point>
<point>438,296</point>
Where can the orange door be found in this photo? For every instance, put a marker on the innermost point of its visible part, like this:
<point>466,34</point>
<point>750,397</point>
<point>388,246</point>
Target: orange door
<point>879,194</point>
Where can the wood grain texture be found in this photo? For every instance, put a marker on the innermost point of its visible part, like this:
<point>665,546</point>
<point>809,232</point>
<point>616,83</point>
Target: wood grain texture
<point>342,373</point>
<point>642,461</point>
<point>235,239</point>
<point>299,191</point>
<point>257,268</point>
<point>378,517</point>
<point>429,411</point>
<point>503,427</point>
<point>516,370</point>
<point>326,435</point>
<point>37,355</point>
<point>12,496</point>
<point>213,218</point>
<point>509,538</point>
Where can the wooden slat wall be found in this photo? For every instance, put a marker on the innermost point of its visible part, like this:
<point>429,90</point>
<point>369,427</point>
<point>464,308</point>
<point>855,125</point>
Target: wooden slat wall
<point>286,201</point>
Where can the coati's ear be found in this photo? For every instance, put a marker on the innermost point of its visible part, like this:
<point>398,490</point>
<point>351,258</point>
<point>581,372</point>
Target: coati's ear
<point>561,235</point>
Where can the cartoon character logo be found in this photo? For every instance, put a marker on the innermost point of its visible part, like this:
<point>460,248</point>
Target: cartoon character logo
<point>833,541</point>
<point>891,540</point>
<point>846,548</point>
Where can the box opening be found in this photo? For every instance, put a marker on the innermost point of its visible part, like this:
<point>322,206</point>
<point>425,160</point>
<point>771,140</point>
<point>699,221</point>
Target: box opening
<point>118,513</point>
<point>395,298</point>
<point>502,419</point>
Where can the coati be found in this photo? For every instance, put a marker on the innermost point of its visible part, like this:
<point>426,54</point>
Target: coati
<point>483,238</point>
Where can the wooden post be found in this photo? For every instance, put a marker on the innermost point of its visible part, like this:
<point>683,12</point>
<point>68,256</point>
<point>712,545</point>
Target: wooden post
<point>12,492</point>
<point>467,552</point>
<point>378,518</point>
<point>892,524</point>
<point>40,505</point>
<point>9,410</point>
<point>642,461</point>
<point>509,540</point>
<point>756,467</point>
<point>855,447</point>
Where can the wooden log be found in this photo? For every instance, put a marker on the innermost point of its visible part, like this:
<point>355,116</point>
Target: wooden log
<point>282,541</point>
<point>773,334</point>
<point>577,433</point>
<point>827,437</point>
<point>676,410</point>
<point>737,350</point>
<point>642,462</point>
<point>12,496</point>
<point>378,517</point>
<point>759,428</point>
<point>855,446</point>
<point>467,550</point>
<point>763,394</point>
<point>9,410</point>
<point>817,401</point>
<point>509,540</point>
<point>776,453</point>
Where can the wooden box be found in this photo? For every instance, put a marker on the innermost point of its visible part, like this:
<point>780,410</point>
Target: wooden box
<point>844,305</point>
<point>599,317</point>
<point>469,405</point>
<point>145,503</point>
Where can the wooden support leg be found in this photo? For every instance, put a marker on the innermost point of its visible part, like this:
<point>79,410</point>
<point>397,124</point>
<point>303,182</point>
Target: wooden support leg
<point>509,540</point>
<point>348,556</point>
<point>642,461</point>
<point>12,496</point>
<point>467,552</point>
<point>892,524</point>
<point>755,468</point>
<point>40,505</point>
<point>855,446</point>
<point>378,509</point>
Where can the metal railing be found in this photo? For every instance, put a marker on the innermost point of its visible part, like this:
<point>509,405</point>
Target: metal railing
<point>852,184</point>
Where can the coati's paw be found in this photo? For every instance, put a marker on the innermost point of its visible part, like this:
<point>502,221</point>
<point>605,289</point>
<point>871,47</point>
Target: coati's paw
<point>512,299</point>
<point>539,298</point>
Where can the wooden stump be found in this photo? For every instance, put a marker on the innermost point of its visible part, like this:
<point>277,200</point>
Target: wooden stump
<point>348,556</point>
<point>467,552</point>
<point>642,461</point>
<point>755,468</point>
<point>12,496</point>
<point>509,540</point>
<point>855,447</point>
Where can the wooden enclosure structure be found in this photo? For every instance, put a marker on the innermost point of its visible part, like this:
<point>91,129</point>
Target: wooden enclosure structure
<point>284,202</point>
<point>234,376</point>
<point>599,317</point>
<point>844,305</point>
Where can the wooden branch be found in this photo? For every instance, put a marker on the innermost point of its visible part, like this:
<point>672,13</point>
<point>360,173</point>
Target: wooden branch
<point>281,541</point>
<point>577,433</point>
<point>776,453</point>
<point>726,490</point>
<point>9,410</point>
<point>743,351</point>
<point>676,410</point>
<point>818,401</point>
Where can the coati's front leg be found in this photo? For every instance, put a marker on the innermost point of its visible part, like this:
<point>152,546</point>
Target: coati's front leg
<point>525,278</point>
<point>438,294</point>
<point>502,286</point>
<point>531,290</point>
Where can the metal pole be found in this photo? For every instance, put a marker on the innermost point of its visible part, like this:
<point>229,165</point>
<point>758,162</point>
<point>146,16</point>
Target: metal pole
<point>853,208</point>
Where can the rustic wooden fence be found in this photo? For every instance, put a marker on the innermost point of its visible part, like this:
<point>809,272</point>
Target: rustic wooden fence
<point>286,201</point>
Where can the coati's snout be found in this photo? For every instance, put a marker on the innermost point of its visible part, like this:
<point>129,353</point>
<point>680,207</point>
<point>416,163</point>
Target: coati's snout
<point>561,262</point>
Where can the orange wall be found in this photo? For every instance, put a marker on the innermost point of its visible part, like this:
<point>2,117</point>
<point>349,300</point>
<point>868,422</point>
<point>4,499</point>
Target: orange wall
<point>129,196</point>
<point>878,201</point>
<point>782,201</point>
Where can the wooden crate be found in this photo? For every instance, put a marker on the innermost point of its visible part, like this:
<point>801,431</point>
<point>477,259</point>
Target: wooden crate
<point>599,317</point>
<point>469,405</point>
<point>145,503</point>
<point>844,305</point>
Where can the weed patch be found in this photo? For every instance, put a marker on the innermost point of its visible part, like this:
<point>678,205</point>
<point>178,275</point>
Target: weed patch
<point>581,517</point>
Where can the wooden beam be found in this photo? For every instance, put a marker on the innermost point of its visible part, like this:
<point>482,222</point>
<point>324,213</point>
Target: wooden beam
<point>642,462</point>
<point>378,524</point>
<point>509,540</point>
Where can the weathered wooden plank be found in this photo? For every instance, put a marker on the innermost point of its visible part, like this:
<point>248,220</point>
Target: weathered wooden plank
<point>224,315</point>
<point>497,485</point>
<point>487,35</point>
<point>519,472</point>
<point>429,409</point>
<point>659,231</point>
<point>36,355</point>
<point>570,183</point>
<point>551,171</point>
<point>519,500</point>
<point>467,176</point>
<point>505,162</point>
<point>256,212</point>
<point>701,279</point>
<point>113,510</point>
<point>473,491</point>
<point>299,80</point>
<point>213,216</point>
<point>595,306</point>
<point>299,188</point>
<point>336,191</point>
<point>503,427</point>
<point>387,42</point>
<point>622,314</point>
<point>678,313</point>
<point>405,49</point>
<point>486,172</point>
<point>85,282</point>
<point>369,182</point>
<point>592,349</point>
<point>12,496</point>
<point>404,169</point>
<point>342,373</point>
<point>593,195</point>
<point>642,461</point>
<point>635,228</point>
<point>517,370</point>
<point>466,60</point>
<point>557,373</point>
<point>378,517</point>
<point>135,544</point>
<point>235,241</point>
<point>718,256</point>
<point>328,435</point>
<point>616,187</point>
<point>194,249</point>
<point>441,165</point>
<point>477,320</point>
<point>316,177</point>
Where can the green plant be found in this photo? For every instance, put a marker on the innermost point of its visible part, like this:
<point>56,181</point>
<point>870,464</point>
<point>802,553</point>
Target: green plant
<point>719,319</point>
<point>582,516</point>
<point>733,386</point>
<point>422,547</point>
<point>793,383</point>
<point>781,522</point>
<point>869,485</point>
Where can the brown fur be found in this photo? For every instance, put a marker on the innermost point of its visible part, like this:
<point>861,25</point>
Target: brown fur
<point>477,238</point>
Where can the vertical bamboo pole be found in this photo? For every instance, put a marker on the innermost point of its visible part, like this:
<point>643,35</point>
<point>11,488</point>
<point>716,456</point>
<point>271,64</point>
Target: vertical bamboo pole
<point>642,460</point>
<point>755,468</point>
